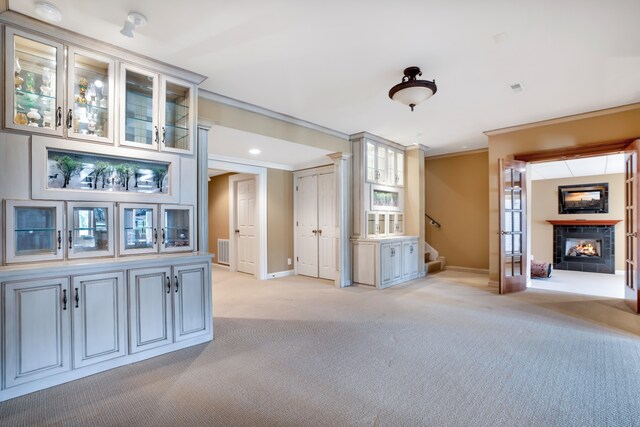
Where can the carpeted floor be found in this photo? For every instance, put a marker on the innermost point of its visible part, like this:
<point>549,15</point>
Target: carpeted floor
<point>442,351</point>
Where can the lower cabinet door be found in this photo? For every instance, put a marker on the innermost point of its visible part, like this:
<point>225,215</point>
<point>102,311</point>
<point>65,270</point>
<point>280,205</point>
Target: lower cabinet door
<point>37,329</point>
<point>150,311</point>
<point>98,306</point>
<point>191,288</point>
<point>396,257</point>
<point>409,259</point>
<point>386,264</point>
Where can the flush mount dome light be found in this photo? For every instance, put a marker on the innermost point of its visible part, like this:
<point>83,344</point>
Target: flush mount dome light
<point>48,11</point>
<point>412,91</point>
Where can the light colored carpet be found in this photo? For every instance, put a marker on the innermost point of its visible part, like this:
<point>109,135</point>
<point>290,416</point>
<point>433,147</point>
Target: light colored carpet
<point>578,282</point>
<point>442,351</point>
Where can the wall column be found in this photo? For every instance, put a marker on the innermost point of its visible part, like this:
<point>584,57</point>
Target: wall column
<point>202,153</point>
<point>414,200</point>
<point>342,173</point>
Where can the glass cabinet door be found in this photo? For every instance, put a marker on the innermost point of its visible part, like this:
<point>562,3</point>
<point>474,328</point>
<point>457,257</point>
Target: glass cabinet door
<point>139,110</point>
<point>90,97</point>
<point>381,165</point>
<point>177,115</point>
<point>393,226</point>
<point>392,176</point>
<point>399,223</point>
<point>382,224</point>
<point>177,228</point>
<point>372,226</point>
<point>34,231</point>
<point>33,83</point>
<point>371,162</point>
<point>399,169</point>
<point>89,230</point>
<point>138,229</point>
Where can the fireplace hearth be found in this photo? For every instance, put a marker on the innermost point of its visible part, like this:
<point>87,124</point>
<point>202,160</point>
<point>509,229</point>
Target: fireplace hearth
<point>582,246</point>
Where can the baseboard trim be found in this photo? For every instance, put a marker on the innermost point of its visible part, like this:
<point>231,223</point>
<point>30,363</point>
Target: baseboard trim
<point>221,266</point>
<point>280,274</point>
<point>467,269</point>
<point>494,283</point>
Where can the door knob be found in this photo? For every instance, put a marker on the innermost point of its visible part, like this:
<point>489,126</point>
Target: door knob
<point>237,231</point>
<point>504,232</point>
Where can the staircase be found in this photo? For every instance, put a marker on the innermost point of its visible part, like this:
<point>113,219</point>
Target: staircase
<point>433,262</point>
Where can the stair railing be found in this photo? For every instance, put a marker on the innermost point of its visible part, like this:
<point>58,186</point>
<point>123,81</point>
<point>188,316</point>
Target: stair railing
<point>432,221</point>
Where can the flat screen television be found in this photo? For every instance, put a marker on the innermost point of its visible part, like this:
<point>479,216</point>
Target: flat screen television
<point>583,199</point>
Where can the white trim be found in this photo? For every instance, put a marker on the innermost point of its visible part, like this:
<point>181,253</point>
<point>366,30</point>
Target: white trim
<point>249,162</point>
<point>281,274</point>
<point>215,97</point>
<point>261,176</point>
<point>220,266</point>
<point>493,283</point>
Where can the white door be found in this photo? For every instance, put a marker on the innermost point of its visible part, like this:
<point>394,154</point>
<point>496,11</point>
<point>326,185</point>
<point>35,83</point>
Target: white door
<point>307,222</point>
<point>326,226</point>
<point>246,225</point>
<point>98,318</point>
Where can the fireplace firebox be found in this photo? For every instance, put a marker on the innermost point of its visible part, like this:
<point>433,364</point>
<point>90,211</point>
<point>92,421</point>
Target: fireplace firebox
<point>578,246</point>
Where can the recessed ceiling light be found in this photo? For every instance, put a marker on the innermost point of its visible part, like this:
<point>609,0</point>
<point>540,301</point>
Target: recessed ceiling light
<point>254,151</point>
<point>517,87</point>
<point>48,11</point>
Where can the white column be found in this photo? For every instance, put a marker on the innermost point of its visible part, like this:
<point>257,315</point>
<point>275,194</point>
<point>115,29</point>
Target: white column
<point>342,173</point>
<point>202,153</point>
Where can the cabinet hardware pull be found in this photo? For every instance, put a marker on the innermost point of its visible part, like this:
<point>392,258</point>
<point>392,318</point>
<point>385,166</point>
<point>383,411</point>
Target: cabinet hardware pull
<point>411,249</point>
<point>64,299</point>
<point>58,117</point>
<point>162,235</point>
<point>156,134</point>
<point>155,236</point>
<point>168,284</point>
<point>177,284</point>
<point>319,231</point>
<point>314,231</point>
<point>164,133</point>
<point>70,239</point>
<point>69,118</point>
<point>59,239</point>
<point>77,297</point>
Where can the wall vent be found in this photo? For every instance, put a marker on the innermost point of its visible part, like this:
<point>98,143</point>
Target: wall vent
<point>517,87</point>
<point>223,251</point>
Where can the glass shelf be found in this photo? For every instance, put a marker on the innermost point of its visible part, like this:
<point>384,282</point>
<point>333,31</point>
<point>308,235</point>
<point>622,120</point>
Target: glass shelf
<point>30,230</point>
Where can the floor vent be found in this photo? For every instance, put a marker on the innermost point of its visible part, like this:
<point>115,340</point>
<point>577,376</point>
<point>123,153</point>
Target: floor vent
<point>223,251</point>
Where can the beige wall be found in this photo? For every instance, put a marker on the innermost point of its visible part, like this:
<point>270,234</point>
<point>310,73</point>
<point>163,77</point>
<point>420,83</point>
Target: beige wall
<point>457,196</point>
<point>607,125</point>
<point>279,220</point>
<point>218,211</point>
<point>215,113</point>
<point>544,206</point>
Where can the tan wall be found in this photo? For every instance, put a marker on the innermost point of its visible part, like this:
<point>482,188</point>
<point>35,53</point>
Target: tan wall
<point>279,220</point>
<point>212,112</point>
<point>457,196</point>
<point>544,206</point>
<point>218,211</point>
<point>613,124</point>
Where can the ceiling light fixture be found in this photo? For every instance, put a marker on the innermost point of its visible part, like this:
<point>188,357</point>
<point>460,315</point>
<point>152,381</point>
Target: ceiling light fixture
<point>48,11</point>
<point>134,19</point>
<point>412,91</point>
<point>254,151</point>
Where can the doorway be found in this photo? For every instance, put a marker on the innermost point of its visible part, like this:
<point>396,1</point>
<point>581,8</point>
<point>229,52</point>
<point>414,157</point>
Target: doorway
<point>577,217</point>
<point>240,203</point>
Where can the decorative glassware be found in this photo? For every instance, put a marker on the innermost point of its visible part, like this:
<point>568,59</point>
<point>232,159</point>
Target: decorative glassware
<point>34,117</point>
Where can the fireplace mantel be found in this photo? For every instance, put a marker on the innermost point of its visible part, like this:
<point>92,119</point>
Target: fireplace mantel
<point>584,221</point>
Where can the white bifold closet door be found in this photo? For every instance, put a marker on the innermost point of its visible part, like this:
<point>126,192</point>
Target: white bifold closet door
<point>246,226</point>
<point>316,226</point>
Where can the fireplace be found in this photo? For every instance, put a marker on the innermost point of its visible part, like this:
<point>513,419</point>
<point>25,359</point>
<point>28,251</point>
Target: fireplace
<point>587,246</point>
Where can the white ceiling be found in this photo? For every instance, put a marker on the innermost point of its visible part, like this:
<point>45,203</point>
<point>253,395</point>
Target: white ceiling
<point>233,145</point>
<point>601,165</point>
<point>333,62</point>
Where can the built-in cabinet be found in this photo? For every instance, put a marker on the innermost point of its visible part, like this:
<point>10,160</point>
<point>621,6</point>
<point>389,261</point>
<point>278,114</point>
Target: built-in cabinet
<point>72,321</point>
<point>384,165</point>
<point>90,229</point>
<point>384,224</point>
<point>157,111</point>
<point>385,262</point>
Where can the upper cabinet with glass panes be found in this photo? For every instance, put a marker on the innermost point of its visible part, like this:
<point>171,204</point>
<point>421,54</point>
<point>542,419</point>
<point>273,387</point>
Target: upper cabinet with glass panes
<point>157,111</point>
<point>384,165</point>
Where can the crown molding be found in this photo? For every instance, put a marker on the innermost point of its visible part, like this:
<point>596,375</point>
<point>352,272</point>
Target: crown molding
<point>231,102</point>
<point>376,138</point>
<point>564,119</point>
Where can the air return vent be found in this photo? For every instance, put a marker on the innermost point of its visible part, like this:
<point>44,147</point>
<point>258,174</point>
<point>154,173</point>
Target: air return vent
<point>517,87</point>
